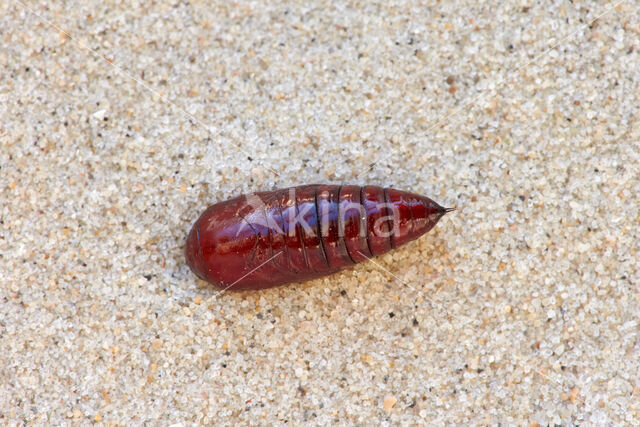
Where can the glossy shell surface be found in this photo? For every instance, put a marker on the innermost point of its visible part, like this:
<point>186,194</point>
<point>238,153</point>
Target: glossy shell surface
<point>271,238</point>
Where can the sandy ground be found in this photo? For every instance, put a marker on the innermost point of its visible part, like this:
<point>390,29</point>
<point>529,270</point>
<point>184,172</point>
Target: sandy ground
<point>121,121</point>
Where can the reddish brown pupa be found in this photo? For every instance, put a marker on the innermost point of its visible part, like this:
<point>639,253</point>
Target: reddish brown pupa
<point>300,233</point>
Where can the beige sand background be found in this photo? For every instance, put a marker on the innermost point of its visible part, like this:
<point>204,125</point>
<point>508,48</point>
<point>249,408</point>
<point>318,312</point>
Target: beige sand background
<point>121,121</point>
